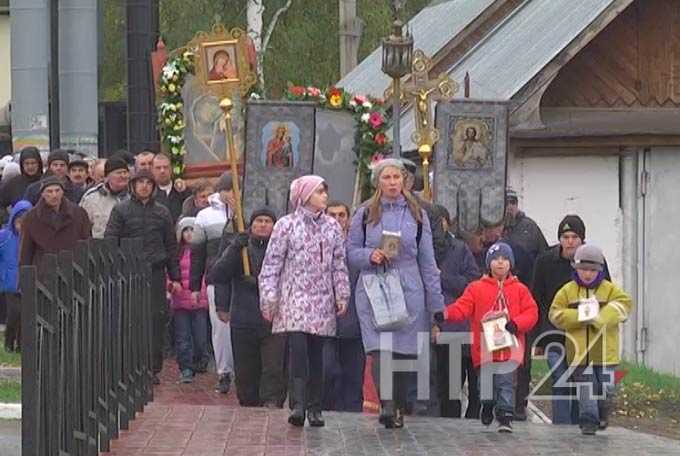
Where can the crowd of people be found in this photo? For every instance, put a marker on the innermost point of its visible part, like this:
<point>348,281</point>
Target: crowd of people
<point>299,305</point>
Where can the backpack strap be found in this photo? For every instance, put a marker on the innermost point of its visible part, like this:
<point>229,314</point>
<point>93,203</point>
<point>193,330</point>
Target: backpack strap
<point>419,235</point>
<point>364,222</point>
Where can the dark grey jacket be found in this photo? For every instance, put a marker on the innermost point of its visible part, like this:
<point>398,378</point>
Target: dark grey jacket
<point>525,233</point>
<point>71,192</point>
<point>243,303</point>
<point>173,201</point>
<point>152,223</point>
<point>458,268</point>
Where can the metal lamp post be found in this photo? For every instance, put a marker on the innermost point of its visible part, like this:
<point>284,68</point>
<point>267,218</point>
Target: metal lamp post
<point>397,57</point>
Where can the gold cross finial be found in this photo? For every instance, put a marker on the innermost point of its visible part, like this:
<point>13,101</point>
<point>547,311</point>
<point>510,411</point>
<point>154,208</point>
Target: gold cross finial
<point>423,91</point>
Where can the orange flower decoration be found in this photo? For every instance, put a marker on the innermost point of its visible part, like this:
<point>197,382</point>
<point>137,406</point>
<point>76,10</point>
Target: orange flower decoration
<point>335,97</point>
<point>297,91</point>
<point>380,139</point>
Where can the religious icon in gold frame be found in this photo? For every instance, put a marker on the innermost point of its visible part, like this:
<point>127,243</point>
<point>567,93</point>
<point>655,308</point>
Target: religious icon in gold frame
<point>225,60</point>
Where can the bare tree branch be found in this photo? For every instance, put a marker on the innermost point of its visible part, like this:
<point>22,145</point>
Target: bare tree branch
<point>272,24</point>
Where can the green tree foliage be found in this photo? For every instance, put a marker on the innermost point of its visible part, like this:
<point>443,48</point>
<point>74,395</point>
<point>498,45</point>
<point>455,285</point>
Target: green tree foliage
<point>112,74</point>
<point>304,48</point>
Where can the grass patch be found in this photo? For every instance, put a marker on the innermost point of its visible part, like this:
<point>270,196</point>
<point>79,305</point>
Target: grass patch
<point>10,392</point>
<point>8,359</point>
<point>642,392</point>
<point>665,385</point>
<point>636,377</point>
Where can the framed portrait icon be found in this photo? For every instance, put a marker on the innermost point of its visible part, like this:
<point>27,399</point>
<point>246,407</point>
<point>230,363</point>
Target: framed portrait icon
<point>220,61</point>
<point>225,61</point>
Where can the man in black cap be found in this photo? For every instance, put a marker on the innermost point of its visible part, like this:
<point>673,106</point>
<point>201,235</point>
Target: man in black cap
<point>57,166</point>
<point>31,166</point>
<point>54,224</point>
<point>520,229</point>
<point>258,354</point>
<point>552,271</point>
<point>100,200</point>
<point>142,217</point>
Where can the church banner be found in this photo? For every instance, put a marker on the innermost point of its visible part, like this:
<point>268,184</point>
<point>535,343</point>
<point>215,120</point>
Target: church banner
<point>279,148</point>
<point>470,161</point>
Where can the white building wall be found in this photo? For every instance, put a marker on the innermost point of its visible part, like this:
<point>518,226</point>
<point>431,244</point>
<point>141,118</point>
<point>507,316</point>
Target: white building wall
<point>552,185</point>
<point>658,309</point>
<point>5,67</point>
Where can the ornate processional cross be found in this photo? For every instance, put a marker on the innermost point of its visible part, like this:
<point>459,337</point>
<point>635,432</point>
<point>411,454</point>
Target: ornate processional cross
<point>423,91</point>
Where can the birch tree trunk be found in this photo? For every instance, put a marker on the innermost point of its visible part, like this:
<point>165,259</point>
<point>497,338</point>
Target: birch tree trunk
<point>254,17</point>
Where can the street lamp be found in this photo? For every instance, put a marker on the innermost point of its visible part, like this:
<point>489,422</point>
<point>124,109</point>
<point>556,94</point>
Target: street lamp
<point>397,57</point>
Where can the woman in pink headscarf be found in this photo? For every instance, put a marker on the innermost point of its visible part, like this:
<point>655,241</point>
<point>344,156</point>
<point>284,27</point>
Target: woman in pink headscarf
<point>303,286</point>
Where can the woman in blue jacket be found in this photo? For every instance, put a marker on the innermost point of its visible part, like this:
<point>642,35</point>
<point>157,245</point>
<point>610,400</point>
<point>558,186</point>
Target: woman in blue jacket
<point>9,273</point>
<point>393,209</point>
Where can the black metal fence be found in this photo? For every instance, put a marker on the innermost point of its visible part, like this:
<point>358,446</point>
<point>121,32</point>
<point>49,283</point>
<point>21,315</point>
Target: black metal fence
<point>86,338</point>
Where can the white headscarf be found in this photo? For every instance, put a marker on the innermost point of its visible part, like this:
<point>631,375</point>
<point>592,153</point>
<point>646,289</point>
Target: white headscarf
<point>10,170</point>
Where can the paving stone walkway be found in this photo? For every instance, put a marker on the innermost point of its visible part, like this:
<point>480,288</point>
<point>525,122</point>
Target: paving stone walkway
<point>193,420</point>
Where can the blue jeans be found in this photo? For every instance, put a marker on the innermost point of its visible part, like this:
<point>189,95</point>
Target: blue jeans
<point>595,390</point>
<point>562,407</point>
<point>503,387</point>
<point>191,338</point>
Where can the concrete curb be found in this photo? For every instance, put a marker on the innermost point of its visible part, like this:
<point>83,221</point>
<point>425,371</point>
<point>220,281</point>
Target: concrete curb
<point>10,373</point>
<point>537,416</point>
<point>10,411</point>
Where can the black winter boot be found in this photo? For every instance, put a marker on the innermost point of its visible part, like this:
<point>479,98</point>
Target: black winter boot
<point>603,409</point>
<point>315,419</point>
<point>297,415</point>
<point>388,414</point>
<point>314,401</point>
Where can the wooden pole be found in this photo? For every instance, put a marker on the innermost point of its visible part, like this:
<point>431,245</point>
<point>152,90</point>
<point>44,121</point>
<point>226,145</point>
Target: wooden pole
<point>425,152</point>
<point>227,105</point>
<point>350,32</point>
<point>467,85</point>
<point>356,200</point>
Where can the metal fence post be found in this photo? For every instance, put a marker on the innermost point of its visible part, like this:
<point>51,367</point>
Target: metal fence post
<point>86,338</point>
<point>30,413</point>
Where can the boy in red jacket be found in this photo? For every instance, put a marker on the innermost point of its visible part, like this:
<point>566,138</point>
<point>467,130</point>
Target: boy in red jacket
<point>496,292</point>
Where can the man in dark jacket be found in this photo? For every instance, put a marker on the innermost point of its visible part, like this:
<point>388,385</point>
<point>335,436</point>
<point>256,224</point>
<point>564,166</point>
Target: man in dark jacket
<point>167,193</point>
<point>142,217</point>
<point>57,166</point>
<point>344,358</point>
<point>14,188</point>
<point>552,271</point>
<point>258,354</point>
<point>520,229</point>
<point>439,238</point>
<point>458,268</point>
<point>200,191</point>
<point>54,224</point>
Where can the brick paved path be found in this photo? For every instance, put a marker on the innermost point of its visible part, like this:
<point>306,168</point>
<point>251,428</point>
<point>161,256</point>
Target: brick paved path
<point>193,420</point>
